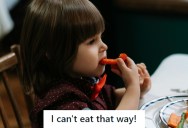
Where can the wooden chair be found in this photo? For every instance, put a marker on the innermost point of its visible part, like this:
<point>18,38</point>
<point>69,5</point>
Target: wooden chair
<point>11,62</point>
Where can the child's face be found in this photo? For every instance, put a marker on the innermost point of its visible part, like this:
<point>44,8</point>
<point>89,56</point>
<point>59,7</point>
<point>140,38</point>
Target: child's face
<point>90,52</point>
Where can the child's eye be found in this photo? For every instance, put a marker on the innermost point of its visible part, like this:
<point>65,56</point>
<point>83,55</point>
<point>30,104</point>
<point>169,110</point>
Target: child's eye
<point>91,41</point>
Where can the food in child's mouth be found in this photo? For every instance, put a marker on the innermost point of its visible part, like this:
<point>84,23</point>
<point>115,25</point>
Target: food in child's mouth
<point>113,61</point>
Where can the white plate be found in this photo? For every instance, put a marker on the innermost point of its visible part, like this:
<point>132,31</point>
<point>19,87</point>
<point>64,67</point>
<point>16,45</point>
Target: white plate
<point>153,108</point>
<point>177,107</point>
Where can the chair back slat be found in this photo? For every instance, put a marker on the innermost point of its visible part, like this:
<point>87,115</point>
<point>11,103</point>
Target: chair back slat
<point>12,100</point>
<point>9,61</point>
<point>3,114</point>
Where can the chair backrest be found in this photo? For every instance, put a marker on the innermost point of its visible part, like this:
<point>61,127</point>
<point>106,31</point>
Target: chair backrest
<point>9,75</point>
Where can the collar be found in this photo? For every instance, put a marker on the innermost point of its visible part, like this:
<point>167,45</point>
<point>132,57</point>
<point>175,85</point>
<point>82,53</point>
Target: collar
<point>98,87</point>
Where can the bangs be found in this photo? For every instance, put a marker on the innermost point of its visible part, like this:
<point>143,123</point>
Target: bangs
<point>84,22</point>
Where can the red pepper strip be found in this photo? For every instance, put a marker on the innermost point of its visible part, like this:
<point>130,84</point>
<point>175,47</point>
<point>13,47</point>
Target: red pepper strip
<point>123,56</point>
<point>186,114</point>
<point>108,61</point>
<point>97,88</point>
<point>113,61</point>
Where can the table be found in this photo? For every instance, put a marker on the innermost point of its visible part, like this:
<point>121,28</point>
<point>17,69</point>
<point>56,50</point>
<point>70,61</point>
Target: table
<point>170,79</point>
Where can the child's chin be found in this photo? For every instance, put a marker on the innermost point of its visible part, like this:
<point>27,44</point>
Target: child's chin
<point>101,71</point>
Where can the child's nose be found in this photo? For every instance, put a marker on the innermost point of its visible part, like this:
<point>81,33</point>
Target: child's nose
<point>104,46</point>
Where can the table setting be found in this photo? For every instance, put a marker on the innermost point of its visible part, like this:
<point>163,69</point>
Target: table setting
<point>157,111</point>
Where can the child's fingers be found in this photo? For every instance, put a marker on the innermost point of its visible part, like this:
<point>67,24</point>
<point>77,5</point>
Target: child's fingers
<point>130,63</point>
<point>143,70</point>
<point>119,67</point>
<point>139,70</point>
<point>121,64</point>
<point>141,66</point>
<point>146,86</point>
<point>141,75</point>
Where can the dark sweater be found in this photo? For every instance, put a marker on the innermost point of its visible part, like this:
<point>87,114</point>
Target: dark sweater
<point>74,95</point>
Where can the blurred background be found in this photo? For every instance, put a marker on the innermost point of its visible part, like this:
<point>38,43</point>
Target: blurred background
<point>146,30</point>
<point>11,19</point>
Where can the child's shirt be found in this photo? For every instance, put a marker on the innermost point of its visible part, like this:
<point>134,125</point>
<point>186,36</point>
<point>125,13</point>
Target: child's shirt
<point>74,95</point>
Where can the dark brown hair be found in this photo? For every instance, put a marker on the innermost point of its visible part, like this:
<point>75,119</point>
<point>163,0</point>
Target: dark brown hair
<point>51,33</point>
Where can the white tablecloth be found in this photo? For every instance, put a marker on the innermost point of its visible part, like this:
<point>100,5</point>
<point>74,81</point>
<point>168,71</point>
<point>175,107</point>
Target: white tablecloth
<point>170,78</point>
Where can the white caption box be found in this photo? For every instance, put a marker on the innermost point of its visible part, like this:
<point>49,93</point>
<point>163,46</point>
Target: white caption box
<point>94,118</point>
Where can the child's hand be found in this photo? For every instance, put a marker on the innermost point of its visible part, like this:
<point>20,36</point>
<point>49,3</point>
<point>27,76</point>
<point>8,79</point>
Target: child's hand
<point>145,80</point>
<point>128,72</point>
